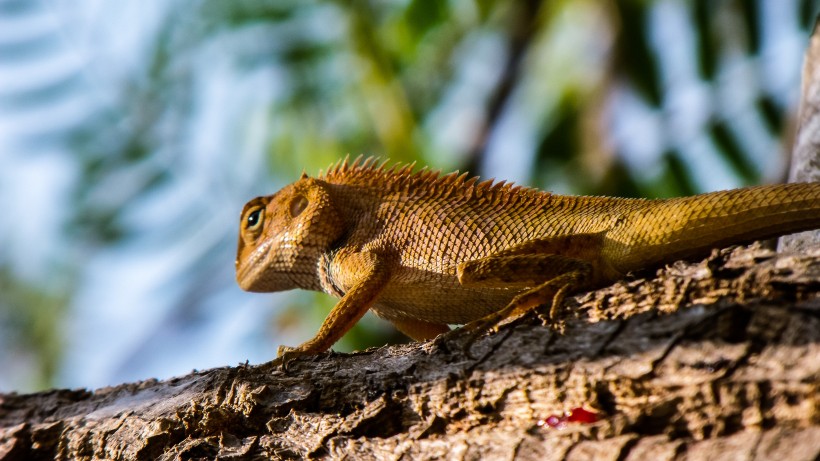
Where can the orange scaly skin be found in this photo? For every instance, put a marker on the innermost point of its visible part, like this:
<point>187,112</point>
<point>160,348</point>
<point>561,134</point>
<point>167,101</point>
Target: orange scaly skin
<point>424,250</point>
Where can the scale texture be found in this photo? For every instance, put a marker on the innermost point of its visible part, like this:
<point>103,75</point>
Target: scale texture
<point>424,250</point>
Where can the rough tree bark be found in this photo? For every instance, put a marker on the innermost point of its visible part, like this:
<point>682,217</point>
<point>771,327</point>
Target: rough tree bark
<point>713,360</point>
<point>718,359</point>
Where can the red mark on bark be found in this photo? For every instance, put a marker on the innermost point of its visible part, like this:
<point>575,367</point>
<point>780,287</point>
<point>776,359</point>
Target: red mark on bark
<point>576,415</point>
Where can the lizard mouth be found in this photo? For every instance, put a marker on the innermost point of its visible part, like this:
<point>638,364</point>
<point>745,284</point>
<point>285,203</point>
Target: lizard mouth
<point>249,267</point>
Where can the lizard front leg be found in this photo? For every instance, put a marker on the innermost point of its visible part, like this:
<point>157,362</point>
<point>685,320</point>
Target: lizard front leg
<point>375,273</point>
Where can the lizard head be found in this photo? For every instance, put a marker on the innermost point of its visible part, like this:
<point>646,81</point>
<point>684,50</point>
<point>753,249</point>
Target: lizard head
<point>282,236</point>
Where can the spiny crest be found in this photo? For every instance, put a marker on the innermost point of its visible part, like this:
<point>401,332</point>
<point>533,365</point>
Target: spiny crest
<point>401,177</point>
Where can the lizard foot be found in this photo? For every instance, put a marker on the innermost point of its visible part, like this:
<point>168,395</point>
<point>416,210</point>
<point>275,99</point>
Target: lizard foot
<point>490,323</point>
<point>286,355</point>
<point>546,300</point>
<point>552,317</point>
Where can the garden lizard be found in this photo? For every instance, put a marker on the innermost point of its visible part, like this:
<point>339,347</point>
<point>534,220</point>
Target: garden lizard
<point>425,250</point>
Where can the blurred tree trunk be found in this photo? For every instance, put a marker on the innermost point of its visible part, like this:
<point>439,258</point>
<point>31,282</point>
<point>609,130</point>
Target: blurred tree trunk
<point>714,360</point>
<point>805,155</point>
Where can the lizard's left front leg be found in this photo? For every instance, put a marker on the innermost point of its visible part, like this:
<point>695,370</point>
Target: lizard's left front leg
<point>375,273</point>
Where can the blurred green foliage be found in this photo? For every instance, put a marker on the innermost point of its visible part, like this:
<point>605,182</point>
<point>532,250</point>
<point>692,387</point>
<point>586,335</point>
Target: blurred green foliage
<point>30,325</point>
<point>365,77</point>
<point>375,77</point>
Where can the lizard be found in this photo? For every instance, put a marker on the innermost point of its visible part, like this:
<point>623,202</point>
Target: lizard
<point>426,250</point>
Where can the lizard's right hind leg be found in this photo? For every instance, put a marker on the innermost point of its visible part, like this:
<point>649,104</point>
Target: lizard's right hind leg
<point>563,276</point>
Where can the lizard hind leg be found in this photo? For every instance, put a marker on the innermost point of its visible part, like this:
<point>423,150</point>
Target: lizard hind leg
<point>566,275</point>
<point>551,294</point>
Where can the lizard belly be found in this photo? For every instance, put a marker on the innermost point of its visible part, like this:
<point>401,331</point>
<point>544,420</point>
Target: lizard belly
<point>452,304</point>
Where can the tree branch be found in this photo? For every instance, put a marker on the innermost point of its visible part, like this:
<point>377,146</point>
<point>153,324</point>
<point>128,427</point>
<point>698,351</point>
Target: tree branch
<point>716,357</point>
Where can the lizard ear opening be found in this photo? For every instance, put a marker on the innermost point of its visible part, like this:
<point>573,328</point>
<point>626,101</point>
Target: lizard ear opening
<point>298,205</point>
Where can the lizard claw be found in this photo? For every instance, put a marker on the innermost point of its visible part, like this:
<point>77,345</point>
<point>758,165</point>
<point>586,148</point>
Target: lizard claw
<point>552,317</point>
<point>557,325</point>
<point>287,354</point>
<point>446,340</point>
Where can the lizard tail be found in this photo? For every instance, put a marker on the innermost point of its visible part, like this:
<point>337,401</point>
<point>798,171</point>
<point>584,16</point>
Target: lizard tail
<point>688,227</point>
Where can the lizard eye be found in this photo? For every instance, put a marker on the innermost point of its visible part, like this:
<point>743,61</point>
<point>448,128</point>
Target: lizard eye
<point>254,219</point>
<point>298,205</point>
